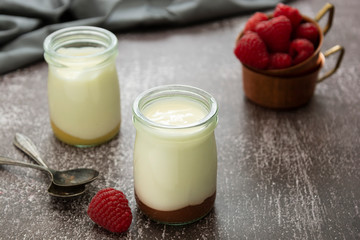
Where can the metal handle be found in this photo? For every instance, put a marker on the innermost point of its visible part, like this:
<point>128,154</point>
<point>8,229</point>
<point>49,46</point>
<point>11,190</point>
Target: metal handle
<point>329,52</point>
<point>8,161</point>
<point>27,146</point>
<point>327,8</point>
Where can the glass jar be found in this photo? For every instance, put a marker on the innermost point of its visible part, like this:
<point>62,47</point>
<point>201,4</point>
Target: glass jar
<point>83,86</point>
<point>175,157</point>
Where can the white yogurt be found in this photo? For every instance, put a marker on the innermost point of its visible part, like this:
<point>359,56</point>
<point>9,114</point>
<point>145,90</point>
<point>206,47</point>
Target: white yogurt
<point>175,158</point>
<point>83,87</point>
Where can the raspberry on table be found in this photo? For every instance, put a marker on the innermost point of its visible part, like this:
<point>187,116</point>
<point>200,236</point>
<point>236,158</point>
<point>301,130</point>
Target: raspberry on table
<point>279,61</point>
<point>251,51</point>
<point>291,13</point>
<point>254,20</point>
<point>300,49</point>
<point>110,209</point>
<point>276,33</point>
<point>309,31</point>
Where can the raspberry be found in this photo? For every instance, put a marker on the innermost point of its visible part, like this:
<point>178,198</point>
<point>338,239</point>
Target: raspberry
<point>276,33</point>
<point>109,208</point>
<point>279,61</point>
<point>251,50</point>
<point>254,20</point>
<point>291,13</point>
<point>300,49</point>
<point>309,31</point>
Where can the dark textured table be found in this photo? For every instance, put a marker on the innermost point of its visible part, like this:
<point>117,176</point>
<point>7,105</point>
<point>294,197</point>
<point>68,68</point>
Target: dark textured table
<point>281,174</point>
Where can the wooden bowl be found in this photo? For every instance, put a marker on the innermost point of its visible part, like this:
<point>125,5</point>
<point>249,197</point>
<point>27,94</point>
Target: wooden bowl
<point>288,92</point>
<point>280,92</point>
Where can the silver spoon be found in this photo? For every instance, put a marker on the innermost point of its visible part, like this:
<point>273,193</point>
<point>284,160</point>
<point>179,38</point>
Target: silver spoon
<point>66,178</point>
<point>53,190</point>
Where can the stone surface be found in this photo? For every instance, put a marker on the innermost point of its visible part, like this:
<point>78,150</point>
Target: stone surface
<point>281,174</point>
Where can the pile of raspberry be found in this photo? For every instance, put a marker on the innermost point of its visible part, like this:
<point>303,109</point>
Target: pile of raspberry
<point>278,42</point>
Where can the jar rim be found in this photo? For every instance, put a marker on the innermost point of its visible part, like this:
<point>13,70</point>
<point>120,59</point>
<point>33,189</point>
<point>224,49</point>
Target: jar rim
<point>171,90</point>
<point>52,42</point>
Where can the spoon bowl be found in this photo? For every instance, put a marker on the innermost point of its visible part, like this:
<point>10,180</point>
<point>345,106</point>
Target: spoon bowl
<point>74,177</point>
<point>66,192</point>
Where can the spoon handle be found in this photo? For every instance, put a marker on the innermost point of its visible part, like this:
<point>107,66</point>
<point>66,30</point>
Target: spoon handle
<point>8,161</point>
<point>27,146</point>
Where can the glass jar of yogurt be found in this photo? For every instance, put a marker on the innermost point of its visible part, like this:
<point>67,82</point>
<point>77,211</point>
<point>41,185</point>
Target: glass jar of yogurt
<point>83,86</point>
<point>175,157</point>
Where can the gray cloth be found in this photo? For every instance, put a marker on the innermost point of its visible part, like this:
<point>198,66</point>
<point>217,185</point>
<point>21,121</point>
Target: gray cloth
<point>24,24</point>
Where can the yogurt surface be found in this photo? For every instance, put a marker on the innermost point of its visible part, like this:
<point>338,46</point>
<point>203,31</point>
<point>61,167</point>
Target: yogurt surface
<point>175,111</point>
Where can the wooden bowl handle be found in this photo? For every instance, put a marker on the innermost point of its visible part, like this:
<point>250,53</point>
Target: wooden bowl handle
<point>329,52</point>
<point>327,8</point>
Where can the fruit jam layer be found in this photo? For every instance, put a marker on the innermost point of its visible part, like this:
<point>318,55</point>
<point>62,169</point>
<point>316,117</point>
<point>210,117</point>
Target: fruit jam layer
<point>181,216</point>
<point>69,139</point>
